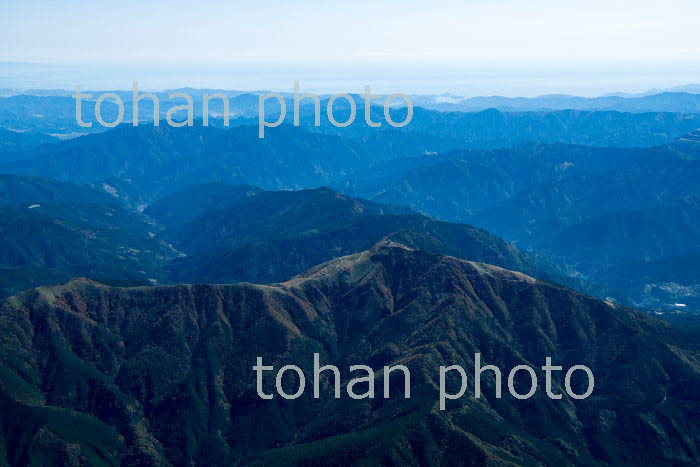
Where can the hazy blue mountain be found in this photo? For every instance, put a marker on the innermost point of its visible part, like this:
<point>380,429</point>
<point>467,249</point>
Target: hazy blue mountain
<point>687,146</point>
<point>546,207</point>
<point>458,184</point>
<point>656,119</point>
<point>491,128</point>
<point>627,236</point>
<point>523,191</point>
<point>380,269</point>
<point>161,160</point>
<point>17,190</point>
<point>681,100</point>
<point>670,285</point>
<point>158,160</point>
<point>50,114</point>
<point>111,375</point>
<point>686,88</point>
<point>16,141</point>
<point>646,255</point>
<point>593,208</point>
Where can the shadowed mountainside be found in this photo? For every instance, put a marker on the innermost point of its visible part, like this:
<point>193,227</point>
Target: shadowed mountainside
<point>170,370</point>
<point>53,231</point>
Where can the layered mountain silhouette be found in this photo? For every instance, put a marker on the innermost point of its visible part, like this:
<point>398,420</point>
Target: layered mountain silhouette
<point>157,161</point>
<point>53,231</point>
<point>669,101</point>
<point>594,208</point>
<point>270,236</point>
<point>182,254</point>
<point>540,196</point>
<point>160,160</point>
<point>163,375</point>
<point>55,113</point>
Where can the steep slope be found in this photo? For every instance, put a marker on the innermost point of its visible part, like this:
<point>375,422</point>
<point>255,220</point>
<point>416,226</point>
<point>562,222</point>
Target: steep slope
<point>62,242</point>
<point>546,208</point>
<point>274,214</point>
<point>687,145</point>
<point>170,369</point>
<point>598,222</point>
<point>52,231</point>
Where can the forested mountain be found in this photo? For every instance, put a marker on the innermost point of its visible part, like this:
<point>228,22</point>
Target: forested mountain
<point>270,236</point>
<point>18,141</point>
<point>156,161</point>
<point>594,208</point>
<point>54,231</point>
<point>460,233</point>
<point>161,160</point>
<point>215,233</point>
<point>163,375</point>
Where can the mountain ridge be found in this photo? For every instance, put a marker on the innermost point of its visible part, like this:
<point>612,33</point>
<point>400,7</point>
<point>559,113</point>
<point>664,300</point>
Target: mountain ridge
<point>392,305</point>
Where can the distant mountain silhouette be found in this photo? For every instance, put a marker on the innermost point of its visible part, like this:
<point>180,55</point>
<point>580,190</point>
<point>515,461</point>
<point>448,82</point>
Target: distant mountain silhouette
<point>157,161</point>
<point>680,100</point>
<point>594,208</point>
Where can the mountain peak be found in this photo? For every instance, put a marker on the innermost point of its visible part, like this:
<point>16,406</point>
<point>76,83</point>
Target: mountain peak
<point>396,258</point>
<point>389,246</point>
<point>145,350</point>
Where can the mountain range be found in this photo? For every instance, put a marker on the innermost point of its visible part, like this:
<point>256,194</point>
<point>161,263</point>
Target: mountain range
<point>216,232</point>
<point>163,375</point>
<point>143,269</point>
<point>157,161</point>
<point>540,196</point>
<point>684,102</point>
<point>271,236</point>
<point>52,231</point>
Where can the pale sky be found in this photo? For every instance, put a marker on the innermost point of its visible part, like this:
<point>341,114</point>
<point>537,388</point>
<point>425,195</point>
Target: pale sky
<point>558,36</point>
